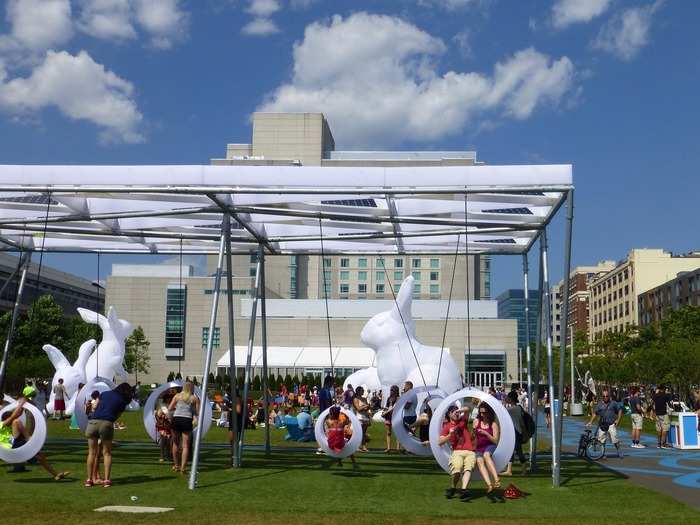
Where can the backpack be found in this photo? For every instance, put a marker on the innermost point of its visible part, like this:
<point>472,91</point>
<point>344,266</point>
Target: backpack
<point>530,428</point>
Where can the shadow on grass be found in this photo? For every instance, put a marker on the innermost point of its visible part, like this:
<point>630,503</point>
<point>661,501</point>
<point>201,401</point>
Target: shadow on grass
<point>244,478</point>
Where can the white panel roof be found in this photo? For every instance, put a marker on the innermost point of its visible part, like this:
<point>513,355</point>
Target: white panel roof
<point>288,209</point>
<point>303,357</point>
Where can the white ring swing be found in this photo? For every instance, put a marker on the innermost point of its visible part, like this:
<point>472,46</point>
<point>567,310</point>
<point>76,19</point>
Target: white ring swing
<point>351,446</point>
<point>506,443</point>
<point>35,442</point>
<point>410,442</point>
<point>9,400</point>
<point>149,419</point>
<point>101,384</point>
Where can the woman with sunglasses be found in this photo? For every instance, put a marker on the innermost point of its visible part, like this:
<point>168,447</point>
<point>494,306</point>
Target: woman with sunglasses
<point>487,433</point>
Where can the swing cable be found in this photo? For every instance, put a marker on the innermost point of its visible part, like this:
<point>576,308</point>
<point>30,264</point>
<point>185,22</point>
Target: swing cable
<point>325,296</point>
<point>469,319</point>
<point>447,314</point>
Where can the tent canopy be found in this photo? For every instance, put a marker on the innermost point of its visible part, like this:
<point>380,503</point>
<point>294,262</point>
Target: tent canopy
<point>302,357</point>
<point>287,209</point>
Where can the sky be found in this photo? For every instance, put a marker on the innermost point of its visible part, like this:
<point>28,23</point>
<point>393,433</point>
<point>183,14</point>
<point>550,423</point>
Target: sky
<point>609,86</point>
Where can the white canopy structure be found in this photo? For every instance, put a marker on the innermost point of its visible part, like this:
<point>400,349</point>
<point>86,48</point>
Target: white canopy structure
<point>150,209</point>
<point>303,357</point>
<point>274,210</point>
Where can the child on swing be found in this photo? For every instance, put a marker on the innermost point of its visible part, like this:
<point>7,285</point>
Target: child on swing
<point>337,429</point>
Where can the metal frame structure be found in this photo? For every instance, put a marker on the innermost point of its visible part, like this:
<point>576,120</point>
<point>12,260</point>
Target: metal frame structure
<point>277,210</point>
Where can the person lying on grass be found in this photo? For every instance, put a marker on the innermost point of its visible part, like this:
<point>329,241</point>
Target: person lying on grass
<point>13,434</point>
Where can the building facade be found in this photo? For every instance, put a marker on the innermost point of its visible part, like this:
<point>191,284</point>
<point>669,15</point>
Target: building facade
<point>511,305</point>
<point>674,294</point>
<point>614,296</point>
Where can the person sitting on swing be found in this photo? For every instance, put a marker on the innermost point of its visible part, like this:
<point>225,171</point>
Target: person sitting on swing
<point>13,434</point>
<point>455,431</point>
<point>337,430</point>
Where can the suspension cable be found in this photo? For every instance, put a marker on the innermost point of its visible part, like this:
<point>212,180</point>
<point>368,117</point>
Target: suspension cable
<point>325,296</point>
<point>182,318</point>
<point>43,242</point>
<point>447,314</point>
<point>466,259</point>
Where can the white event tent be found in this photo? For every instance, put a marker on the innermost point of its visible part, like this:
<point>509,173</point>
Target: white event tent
<point>273,210</point>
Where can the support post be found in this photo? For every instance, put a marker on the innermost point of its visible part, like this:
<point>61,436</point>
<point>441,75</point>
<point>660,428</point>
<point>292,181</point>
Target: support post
<point>24,260</point>
<point>232,376</point>
<point>249,359</point>
<point>565,328</point>
<point>263,319</point>
<point>538,346</point>
<point>207,362</point>
<point>528,357</point>
<point>550,363</point>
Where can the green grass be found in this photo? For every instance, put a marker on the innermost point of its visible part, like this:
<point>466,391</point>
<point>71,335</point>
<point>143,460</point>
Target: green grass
<point>300,487</point>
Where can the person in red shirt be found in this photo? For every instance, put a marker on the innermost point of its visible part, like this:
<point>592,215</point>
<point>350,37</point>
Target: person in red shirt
<point>455,431</point>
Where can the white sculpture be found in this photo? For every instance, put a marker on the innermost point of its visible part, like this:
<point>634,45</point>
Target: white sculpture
<point>108,360</point>
<point>367,378</point>
<point>72,375</point>
<point>399,353</point>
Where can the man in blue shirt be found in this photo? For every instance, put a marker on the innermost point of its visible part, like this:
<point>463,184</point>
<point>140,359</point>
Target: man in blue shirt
<point>305,422</point>
<point>610,413</point>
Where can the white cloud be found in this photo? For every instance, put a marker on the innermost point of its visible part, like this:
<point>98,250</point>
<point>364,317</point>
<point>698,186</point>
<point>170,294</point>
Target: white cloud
<point>263,8</point>
<point>450,5</point>
<point>38,25</point>
<point>260,27</point>
<point>107,19</point>
<point>376,79</point>
<point>79,88</point>
<point>567,12</point>
<point>627,32</point>
<point>302,4</point>
<point>165,21</point>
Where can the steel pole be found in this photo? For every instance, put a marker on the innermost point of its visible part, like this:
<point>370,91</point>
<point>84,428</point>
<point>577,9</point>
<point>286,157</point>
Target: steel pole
<point>24,260</point>
<point>249,358</point>
<point>538,346</point>
<point>550,363</point>
<point>207,362</point>
<point>232,377</point>
<point>263,324</point>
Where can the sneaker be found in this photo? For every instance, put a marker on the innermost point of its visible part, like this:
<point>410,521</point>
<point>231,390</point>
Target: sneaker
<point>639,445</point>
<point>666,445</point>
<point>635,445</point>
<point>464,494</point>
<point>450,493</point>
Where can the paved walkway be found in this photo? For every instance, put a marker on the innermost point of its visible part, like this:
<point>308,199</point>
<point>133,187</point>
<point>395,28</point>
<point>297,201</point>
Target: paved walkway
<point>673,472</point>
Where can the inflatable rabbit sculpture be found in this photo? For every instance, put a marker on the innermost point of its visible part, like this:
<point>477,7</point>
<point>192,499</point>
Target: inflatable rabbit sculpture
<point>72,376</point>
<point>108,360</point>
<point>395,347</point>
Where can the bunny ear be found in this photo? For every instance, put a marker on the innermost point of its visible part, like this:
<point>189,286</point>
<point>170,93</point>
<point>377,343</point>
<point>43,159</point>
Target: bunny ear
<point>58,360</point>
<point>84,353</point>
<point>112,316</point>
<point>91,317</point>
<point>402,308</point>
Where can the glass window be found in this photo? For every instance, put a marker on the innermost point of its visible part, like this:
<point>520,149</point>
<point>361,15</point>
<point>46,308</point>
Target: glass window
<point>435,263</point>
<point>216,339</point>
<point>344,275</point>
<point>416,289</point>
<point>176,300</point>
<point>344,288</point>
<point>362,262</point>
<point>253,258</point>
<point>327,262</point>
<point>251,271</point>
<point>415,263</point>
<point>379,263</point>
<point>416,275</point>
<point>361,276</point>
<point>434,276</point>
<point>398,263</point>
<point>380,288</point>
<point>398,276</point>
<point>434,289</point>
<point>361,288</point>
<point>379,277</point>
<point>344,262</point>
<point>327,276</point>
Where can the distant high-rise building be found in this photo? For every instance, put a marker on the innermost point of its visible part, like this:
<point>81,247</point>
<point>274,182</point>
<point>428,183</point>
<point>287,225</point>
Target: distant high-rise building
<point>511,305</point>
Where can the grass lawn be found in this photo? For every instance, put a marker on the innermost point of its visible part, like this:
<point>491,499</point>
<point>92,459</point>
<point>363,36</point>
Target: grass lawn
<point>300,487</point>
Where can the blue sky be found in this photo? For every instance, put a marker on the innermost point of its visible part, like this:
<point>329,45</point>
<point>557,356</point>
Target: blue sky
<point>610,86</point>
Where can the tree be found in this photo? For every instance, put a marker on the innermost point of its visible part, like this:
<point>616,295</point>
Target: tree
<point>256,383</point>
<point>136,357</point>
<point>178,376</point>
<point>171,377</point>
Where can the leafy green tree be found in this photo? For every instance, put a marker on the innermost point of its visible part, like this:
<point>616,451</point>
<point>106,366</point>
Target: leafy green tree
<point>171,377</point>
<point>136,356</point>
<point>256,383</point>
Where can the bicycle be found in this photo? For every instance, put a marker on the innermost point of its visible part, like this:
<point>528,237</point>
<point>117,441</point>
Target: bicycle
<point>590,446</point>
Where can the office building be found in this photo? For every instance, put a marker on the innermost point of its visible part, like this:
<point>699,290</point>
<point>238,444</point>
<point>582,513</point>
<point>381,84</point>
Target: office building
<point>682,291</point>
<point>511,305</point>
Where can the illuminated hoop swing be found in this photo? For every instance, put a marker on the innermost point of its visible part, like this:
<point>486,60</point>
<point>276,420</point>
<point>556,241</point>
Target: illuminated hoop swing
<point>407,440</point>
<point>35,442</point>
<point>149,418</point>
<point>506,442</point>
<point>351,446</point>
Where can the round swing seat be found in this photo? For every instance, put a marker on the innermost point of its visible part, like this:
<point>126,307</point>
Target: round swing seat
<point>407,440</point>
<point>101,384</point>
<point>11,401</point>
<point>149,416</point>
<point>351,446</point>
<point>35,442</point>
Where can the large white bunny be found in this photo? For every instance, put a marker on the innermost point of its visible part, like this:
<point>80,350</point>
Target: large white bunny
<point>108,360</point>
<point>400,356</point>
<point>72,375</point>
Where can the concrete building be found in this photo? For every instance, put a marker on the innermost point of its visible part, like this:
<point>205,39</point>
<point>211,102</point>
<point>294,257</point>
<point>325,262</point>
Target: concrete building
<point>285,139</point>
<point>682,291</point>
<point>163,303</point>
<point>614,296</point>
<point>511,305</point>
<point>69,291</point>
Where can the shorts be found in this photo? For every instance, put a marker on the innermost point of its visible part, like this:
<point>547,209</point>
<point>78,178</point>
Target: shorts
<point>182,424</point>
<point>637,421</point>
<point>59,405</point>
<point>663,423</point>
<point>490,449</point>
<point>612,430</point>
<point>100,429</point>
<point>462,461</point>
